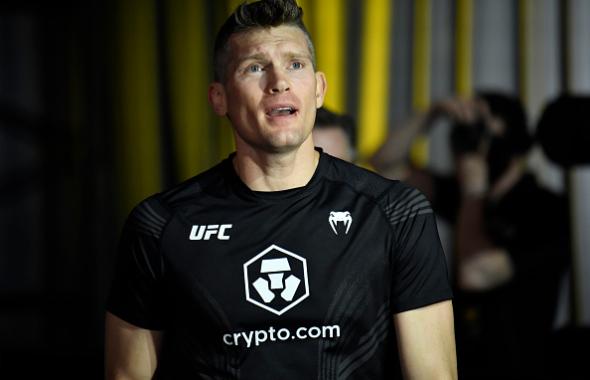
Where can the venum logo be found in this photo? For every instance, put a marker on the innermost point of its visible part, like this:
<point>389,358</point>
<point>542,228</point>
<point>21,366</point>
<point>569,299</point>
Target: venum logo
<point>206,232</point>
<point>276,280</point>
<point>340,216</point>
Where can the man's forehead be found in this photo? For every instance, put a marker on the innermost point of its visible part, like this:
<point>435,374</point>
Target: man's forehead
<point>261,40</point>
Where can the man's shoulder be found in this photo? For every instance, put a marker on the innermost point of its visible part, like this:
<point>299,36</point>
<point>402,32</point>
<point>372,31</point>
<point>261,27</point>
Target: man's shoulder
<point>397,199</point>
<point>208,181</point>
<point>167,201</point>
<point>365,180</point>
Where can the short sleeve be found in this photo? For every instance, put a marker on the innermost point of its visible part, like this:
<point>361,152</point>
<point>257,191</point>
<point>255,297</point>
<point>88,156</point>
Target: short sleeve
<point>420,275</point>
<point>137,294</point>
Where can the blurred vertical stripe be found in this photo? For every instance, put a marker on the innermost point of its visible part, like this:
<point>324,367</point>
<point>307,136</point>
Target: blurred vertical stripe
<point>136,102</point>
<point>223,130</point>
<point>421,55</point>
<point>307,15</point>
<point>578,35</point>
<point>329,43</point>
<point>375,69</point>
<point>523,47</point>
<point>421,68</point>
<point>190,73</point>
<point>541,76</point>
<point>464,48</point>
<point>542,46</point>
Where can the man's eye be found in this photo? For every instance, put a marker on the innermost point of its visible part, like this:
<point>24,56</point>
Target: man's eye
<point>254,68</point>
<point>297,65</point>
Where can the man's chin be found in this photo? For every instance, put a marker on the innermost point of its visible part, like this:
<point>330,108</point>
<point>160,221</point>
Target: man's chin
<point>282,142</point>
<point>281,148</point>
<point>285,143</point>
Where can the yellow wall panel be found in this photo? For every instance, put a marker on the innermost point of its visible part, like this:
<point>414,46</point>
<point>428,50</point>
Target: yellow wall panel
<point>189,74</point>
<point>136,108</point>
<point>464,48</point>
<point>421,55</point>
<point>375,69</point>
<point>329,34</point>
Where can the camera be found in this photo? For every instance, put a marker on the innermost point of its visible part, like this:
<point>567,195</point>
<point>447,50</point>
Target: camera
<point>468,137</point>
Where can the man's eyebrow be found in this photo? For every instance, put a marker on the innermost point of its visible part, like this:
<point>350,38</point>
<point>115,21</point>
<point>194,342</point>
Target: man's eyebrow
<point>251,57</point>
<point>298,55</point>
<point>263,57</point>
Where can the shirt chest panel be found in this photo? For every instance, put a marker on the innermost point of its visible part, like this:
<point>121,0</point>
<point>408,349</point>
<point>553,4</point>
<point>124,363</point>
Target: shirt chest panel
<point>279,262</point>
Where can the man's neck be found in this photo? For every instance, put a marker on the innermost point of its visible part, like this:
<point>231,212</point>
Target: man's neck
<point>262,171</point>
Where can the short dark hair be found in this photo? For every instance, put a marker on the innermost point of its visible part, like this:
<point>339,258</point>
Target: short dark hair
<point>260,14</point>
<point>326,118</point>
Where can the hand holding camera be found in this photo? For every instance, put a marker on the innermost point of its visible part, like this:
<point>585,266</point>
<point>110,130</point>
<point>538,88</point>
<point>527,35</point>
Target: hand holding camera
<point>470,139</point>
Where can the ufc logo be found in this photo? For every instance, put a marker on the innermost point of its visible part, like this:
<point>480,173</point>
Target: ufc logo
<point>204,232</point>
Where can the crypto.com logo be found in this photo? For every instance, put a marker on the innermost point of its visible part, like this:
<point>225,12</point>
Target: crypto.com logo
<point>276,280</point>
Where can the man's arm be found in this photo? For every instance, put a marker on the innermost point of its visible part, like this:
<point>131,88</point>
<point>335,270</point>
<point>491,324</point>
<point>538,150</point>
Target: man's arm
<point>426,340</point>
<point>131,352</point>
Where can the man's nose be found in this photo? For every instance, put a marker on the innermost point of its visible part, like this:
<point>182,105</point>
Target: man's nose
<point>278,81</point>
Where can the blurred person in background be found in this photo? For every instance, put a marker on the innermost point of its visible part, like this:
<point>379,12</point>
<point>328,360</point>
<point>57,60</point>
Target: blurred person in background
<point>335,134</point>
<point>281,262</point>
<point>511,235</point>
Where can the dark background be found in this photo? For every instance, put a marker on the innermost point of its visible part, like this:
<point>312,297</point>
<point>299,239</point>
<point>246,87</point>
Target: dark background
<point>69,139</point>
<point>56,187</point>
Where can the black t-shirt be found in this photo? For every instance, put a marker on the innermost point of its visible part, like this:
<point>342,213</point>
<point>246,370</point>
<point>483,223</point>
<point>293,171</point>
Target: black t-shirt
<point>295,284</point>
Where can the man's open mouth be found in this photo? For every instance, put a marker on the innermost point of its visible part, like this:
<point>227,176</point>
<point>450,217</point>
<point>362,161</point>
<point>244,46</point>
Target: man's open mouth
<point>281,111</point>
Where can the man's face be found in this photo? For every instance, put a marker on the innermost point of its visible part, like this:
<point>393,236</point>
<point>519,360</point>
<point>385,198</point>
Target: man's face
<point>271,91</point>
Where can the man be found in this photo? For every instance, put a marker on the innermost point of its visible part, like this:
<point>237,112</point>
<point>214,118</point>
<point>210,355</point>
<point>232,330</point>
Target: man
<point>280,262</point>
<point>335,134</point>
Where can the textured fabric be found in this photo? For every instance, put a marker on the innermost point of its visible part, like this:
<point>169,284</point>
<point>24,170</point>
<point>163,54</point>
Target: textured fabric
<point>295,284</point>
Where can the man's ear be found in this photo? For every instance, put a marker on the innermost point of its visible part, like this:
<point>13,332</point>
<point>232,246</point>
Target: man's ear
<point>321,87</point>
<point>217,98</point>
